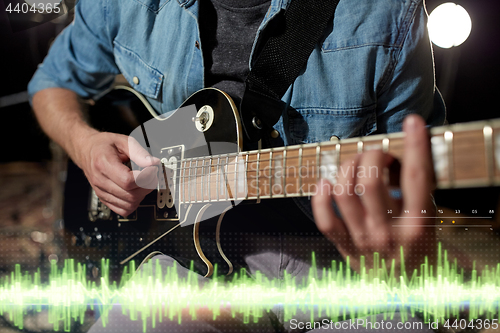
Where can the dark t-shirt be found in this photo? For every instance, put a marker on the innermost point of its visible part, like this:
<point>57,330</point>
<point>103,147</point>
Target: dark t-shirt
<point>228,29</point>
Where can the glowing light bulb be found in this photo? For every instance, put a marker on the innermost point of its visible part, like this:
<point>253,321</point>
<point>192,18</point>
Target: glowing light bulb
<point>449,25</point>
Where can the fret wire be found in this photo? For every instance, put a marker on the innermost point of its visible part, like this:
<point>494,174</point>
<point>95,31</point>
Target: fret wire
<point>195,184</point>
<point>202,172</point>
<point>186,184</point>
<point>258,166</point>
<point>189,180</point>
<point>182,184</point>
<point>448,138</point>
<point>210,180</point>
<point>207,177</point>
<point>236,187</point>
<point>202,175</point>
<point>226,182</point>
<point>246,175</point>
<point>178,179</point>
<point>217,178</point>
<point>488,146</point>
<point>300,177</point>
<point>222,179</point>
<point>271,174</point>
<point>318,151</point>
<point>284,171</point>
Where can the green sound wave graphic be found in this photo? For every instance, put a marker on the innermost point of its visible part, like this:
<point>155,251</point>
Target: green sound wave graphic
<point>338,293</point>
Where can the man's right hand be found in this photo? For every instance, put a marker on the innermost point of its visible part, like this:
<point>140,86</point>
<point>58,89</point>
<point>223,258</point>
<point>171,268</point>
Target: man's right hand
<point>100,155</point>
<point>101,158</point>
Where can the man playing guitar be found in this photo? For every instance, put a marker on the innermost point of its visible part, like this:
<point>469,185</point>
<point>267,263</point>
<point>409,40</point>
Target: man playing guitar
<point>372,70</point>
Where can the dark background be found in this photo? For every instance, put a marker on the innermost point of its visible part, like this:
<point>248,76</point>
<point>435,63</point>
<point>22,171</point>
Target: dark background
<point>468,75</point>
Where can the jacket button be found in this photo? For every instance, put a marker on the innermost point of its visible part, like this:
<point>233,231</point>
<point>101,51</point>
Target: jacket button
<point>197,45</point>
<point>135,80</point>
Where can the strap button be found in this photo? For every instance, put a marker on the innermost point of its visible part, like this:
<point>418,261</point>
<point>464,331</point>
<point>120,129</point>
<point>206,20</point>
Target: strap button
<point>256,123</point>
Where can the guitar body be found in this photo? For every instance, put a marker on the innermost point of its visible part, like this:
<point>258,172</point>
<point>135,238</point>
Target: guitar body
<point>206,124</point>
<point>204,173</point>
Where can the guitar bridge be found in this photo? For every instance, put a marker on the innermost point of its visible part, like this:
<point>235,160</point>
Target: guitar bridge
<point>164,195</point>
<point>97,210</point>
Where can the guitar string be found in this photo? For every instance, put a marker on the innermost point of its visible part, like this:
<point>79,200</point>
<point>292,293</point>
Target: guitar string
<point>229,167</point>
<point>219,166</point>
<point>456,153</point>
<point>189,186</point>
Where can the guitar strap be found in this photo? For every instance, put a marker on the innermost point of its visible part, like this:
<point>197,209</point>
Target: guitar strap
<point>291,38</point>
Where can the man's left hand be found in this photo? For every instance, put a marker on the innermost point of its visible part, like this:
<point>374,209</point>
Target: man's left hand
<point>373,221</point>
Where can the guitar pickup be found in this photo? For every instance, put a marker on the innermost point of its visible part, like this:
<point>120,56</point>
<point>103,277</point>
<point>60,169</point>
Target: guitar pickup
<point>167,176</point>
<point>96,209</point>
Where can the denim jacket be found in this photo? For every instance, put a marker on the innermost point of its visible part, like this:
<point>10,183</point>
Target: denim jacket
<point>369,71</point>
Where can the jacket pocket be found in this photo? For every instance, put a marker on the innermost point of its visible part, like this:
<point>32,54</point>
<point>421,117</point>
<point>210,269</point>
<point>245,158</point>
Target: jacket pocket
<point>318,125</point>
<point>141,76</point>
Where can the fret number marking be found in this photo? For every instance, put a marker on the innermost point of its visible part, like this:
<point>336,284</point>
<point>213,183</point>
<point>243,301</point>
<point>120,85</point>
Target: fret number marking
<point>440,157</point>
<point>328,168</point>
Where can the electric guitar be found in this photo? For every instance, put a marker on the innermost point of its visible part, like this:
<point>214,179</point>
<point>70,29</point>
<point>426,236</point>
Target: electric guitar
<point>205,172</point>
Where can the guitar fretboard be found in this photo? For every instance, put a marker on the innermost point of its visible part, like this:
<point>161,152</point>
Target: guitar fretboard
<point>465,155</point>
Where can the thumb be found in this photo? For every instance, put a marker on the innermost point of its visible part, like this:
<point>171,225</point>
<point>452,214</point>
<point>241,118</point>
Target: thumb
<point>136,153</point>
<point>147,178</point>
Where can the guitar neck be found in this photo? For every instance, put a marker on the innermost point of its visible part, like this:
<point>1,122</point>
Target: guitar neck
<point>465,155</point>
